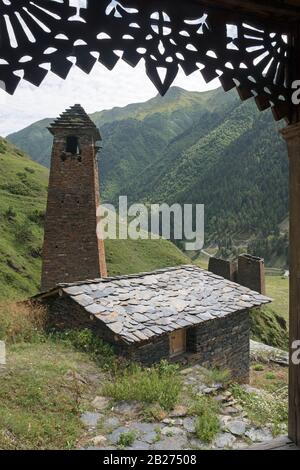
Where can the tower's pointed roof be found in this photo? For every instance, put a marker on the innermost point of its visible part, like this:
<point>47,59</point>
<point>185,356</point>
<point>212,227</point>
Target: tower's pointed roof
<point>74,118</point>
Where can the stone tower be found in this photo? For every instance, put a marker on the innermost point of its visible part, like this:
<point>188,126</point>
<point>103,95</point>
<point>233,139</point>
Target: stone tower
<point>72,250</point>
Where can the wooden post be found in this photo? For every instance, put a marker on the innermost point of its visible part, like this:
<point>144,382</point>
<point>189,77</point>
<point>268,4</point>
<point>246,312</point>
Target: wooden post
<point>292,136</point>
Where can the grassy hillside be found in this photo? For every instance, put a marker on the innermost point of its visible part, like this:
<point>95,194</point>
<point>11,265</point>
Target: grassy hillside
<point>23,189</point>
<point>206,148</point>
<point>23,185</point>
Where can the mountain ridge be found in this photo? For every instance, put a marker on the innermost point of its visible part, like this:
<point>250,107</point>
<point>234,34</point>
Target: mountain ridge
<point>191,147</point>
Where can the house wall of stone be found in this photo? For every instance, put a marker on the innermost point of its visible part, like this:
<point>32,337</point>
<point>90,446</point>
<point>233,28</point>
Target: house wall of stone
<point>222,343</point>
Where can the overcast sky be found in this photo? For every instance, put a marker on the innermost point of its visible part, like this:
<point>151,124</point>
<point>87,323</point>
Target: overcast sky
<point>102,89</point>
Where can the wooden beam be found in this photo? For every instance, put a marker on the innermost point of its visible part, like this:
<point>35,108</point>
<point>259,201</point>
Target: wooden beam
<point>261,8</point>
<point>292,136</point>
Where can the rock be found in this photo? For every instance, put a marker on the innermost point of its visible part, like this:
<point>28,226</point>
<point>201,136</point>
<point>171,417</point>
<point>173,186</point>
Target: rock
<point>172,431</point>
<point>2,355</point>
<point>259,435</point>
<point>100,403</point>
<point>237,428</point>
<point>145,427</point>
<point>99,440</point>
<point>127,407</point>
<point>90,420</point>
<point>224,441</point>
<point>262,352</point>
<point>115,435</point>
<point>229,410</point>
<point>185,371</point>
<point>179,412</point>
<point>139,445</point>
<point>111,423</point>
<point>171,443</point>
<point>220,398</point>
<point>197,444</point>
<point>189,424</point>
<point>72,375</point>
<point>208,390</point>
<point>150,437</point>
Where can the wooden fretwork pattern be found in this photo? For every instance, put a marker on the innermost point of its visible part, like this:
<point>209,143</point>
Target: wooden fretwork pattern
<point>41,35</point>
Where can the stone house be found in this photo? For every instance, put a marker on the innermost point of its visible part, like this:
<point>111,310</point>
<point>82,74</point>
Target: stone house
<point>176,313</point>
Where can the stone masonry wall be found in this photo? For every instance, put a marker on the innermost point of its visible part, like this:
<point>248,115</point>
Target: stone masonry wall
<point>223,343</point>
<point>220,343</point>
<point>71,249</point>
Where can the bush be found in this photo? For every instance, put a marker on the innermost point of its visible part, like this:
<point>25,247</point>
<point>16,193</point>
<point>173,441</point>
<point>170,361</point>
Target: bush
<point>207,424</point>
<point>264,408</point>
<point>37,217</point>
<point>160,384</point>
<point>217,376</point>
<point>126,439</point>
<point>23,234</point>
<point>20,322</point>
<point>10,214</point>
<point>87,341</point>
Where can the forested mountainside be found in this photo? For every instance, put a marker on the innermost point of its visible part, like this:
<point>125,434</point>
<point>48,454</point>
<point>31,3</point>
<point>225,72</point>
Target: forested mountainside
<point>191,147</point>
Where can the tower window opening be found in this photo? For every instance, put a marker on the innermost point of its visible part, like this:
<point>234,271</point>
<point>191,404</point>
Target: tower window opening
<point>72,145</point>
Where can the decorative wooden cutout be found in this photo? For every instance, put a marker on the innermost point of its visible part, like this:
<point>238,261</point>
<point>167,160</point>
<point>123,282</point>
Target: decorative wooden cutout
<point>41,35</point>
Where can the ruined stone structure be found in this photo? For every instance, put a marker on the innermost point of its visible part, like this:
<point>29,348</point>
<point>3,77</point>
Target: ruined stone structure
<point>72,250</point>
<point>251,273</point>
<point>248,270</point>
<point>224,268</point>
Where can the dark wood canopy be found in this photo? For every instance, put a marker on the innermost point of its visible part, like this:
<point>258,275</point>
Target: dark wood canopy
<point>247,44</point>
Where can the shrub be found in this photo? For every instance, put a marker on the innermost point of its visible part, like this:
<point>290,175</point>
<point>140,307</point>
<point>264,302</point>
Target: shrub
<point>160,384</point>
<point>258,367</point>
<point>126,439</point>
<point>87,341</point>
<point>37,217</point>
<point>207,424</point>
<point>29,170</point>
<point>270,376</point>
<point>10,214</point>
<point>20,322</point>
<point>264,408</point>
<point>23,234</point>
<point>221,376</point>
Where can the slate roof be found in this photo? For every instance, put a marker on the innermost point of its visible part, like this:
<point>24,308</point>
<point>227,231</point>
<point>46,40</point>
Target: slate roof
<point>74,117</point>
<point>142,306</point>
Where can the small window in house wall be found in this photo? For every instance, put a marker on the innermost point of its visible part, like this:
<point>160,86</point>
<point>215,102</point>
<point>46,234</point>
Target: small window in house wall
<point>72,145</point>
<point>177,342</point>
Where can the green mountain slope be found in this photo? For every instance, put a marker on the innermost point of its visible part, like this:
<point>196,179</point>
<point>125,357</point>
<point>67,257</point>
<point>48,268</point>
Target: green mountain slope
<point>206,148</point>
<point>23,191</point>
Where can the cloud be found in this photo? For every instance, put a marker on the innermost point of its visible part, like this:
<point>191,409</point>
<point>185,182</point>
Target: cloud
<point>102,89</point>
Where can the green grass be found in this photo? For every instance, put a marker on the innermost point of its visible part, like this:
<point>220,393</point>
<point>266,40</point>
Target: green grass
<point>23,185</point>
<point>40,407</point>
<point>278,289</point>
<point>217,376</point>
<point>126,439</point>
<point>207,424</point>
<point>264,408</point>
<point>268,327</point>
<point>159,385</point>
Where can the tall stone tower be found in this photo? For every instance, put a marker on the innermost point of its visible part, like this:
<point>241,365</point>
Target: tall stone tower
<point>72,250</point>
